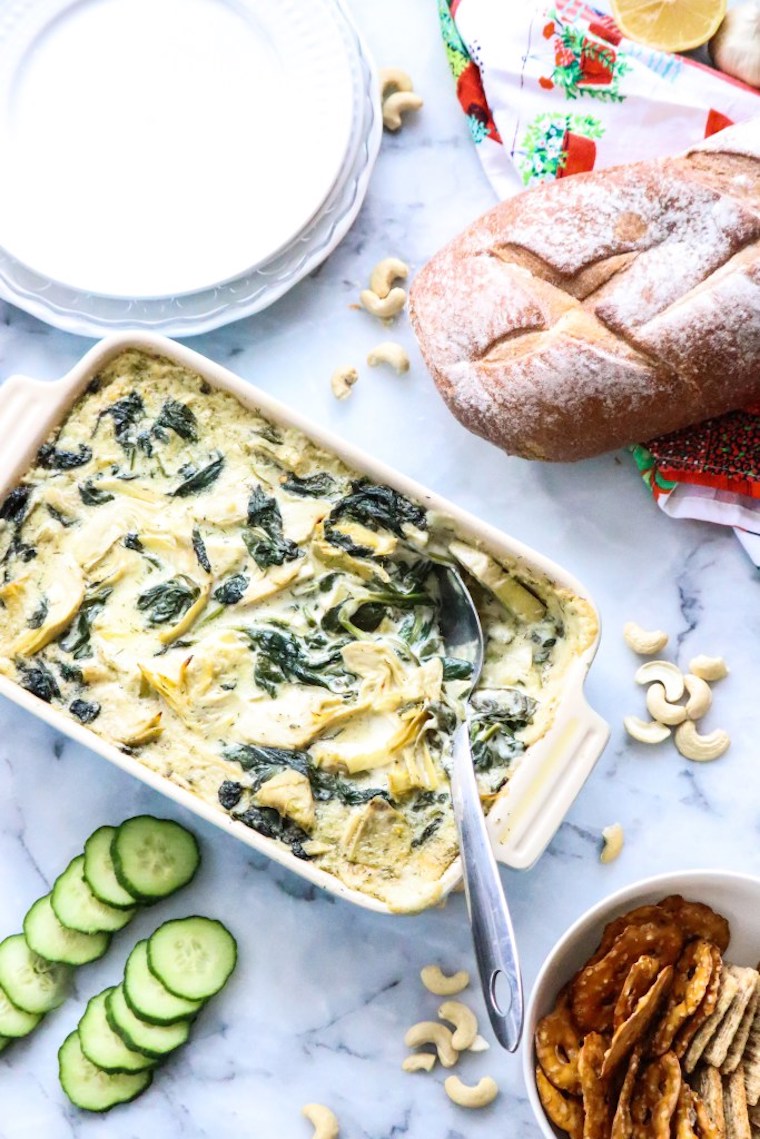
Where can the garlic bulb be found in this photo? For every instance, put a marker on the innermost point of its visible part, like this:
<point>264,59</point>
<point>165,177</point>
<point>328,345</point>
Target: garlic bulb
<point>735,47</point>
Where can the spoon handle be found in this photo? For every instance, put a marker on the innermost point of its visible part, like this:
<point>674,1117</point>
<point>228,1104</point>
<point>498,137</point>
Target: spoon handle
<point>492,933</point>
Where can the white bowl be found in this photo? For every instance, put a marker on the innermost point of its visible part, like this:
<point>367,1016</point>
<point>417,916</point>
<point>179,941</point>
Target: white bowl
<point>736,896</point>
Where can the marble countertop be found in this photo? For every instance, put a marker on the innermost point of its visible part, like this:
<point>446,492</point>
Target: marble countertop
<point>324,991</point>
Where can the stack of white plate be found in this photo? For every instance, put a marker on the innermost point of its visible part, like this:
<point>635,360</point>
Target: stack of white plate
<point>176,164</point>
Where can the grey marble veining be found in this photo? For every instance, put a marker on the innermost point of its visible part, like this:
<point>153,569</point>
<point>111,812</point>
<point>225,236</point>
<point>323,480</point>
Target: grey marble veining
<point>324,992</point>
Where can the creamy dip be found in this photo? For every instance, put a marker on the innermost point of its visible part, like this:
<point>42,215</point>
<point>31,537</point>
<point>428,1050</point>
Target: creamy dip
<point>234,607</point>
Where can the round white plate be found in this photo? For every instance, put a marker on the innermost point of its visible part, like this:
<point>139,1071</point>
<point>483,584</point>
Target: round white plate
<point>158,147</point>
<point>90,314</point>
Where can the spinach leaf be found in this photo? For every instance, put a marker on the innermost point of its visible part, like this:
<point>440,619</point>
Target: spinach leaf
<point>454,668</point>
<point>269,432</point>
<point>231,590</point>
<point>92,495</point>
<point>326,786</point>
<point>200,550</point>
<point>493,748</point>
<point>344,541</point>
<point>20,550</point>
<point>286,654</point>
<point>544,636</point>
<point>178,417</point>
<point>58,516</point>
<point>198,478</point>
<point>252,757</point>
<point>125,413</point>
<point>264,512</point>
<point>15,504</point>
<point>427,832</point>
<point>37,618</point>
<point>267,822</point>
<point>379,508</point>
<point>85,711</point>
<point>168,600</point>
<point>230,793</point>
<point>495,719</point>
<point>267,675</point>
<point>266,544</point>
<point>70,672</point>
<point>132,542</point>
<point>76,639</point>
<point>270,551</point>
<point>39,680</point>
<point>52,459</point>
<point>507,706</point>
<point>312,486</point>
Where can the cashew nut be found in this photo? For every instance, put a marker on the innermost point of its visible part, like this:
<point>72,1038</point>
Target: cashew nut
<point>646,733</point>
<point>397,105</point>
<point>324,1121</point>
<point>700,696</point>
<point>645,643</point>
<point>484,1092</point>
<point>464,1020</point>
<point>430,1032</point>
<point>393,79</point>
<point>387,271</point>
<point>659,708</point>
<point>700,748</point>
<point>383,307</point>
<point>669,675</point>
<point>419,1062</point>
<point>342,381</point>
<point>708,668</point>
<point>389,353</point>
<point>479,1044</point>
<point>436,981</point>
<point>613,842</point>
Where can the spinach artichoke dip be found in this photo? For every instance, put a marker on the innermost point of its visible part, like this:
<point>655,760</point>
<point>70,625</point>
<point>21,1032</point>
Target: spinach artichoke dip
<point>234,607</point>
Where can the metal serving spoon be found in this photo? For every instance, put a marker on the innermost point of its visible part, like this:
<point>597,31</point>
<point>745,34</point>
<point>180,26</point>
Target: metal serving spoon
<point>492,933</point>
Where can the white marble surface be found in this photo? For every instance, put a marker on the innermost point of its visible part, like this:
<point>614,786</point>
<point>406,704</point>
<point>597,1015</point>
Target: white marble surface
<point>324,992</point>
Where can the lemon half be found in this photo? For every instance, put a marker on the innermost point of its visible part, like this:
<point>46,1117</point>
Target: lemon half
<point>669,25</point>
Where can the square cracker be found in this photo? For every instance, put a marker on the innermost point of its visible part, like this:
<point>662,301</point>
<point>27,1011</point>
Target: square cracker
<point>716,1051</point>
<point>739,1042</point>
<point>735,1106</point>
<point>751,1060</point>
<point>726,993</point>
<point>708,1085</point>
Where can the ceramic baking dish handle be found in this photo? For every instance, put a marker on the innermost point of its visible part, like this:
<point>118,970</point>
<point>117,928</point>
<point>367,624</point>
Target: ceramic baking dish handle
<point>545,786</point>
<point>28,408</point>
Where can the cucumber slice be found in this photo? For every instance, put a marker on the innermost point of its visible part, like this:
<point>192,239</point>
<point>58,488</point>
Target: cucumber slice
<point>192,957</point>
<point>77,908</point>
<point>91,1088</point>
<point>153,857</point>
<point>46,936</point>
<point>147,997</point>
<point>154,1040</point>
<point>32,983</point>
<point>99,872</point>
<point>14,1021</point>
<point>104,1047</point>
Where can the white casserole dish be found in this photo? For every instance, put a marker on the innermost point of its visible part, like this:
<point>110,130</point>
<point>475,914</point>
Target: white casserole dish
<point>552,771</point>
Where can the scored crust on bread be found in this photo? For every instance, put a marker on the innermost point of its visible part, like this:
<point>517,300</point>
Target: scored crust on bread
<point>603,309</point>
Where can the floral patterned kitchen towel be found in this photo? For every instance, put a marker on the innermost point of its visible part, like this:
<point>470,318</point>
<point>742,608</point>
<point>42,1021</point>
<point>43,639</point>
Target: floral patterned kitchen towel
<point>554,89</point>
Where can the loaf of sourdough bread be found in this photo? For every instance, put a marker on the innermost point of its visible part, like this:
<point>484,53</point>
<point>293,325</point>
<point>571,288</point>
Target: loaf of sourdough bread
<point>603,309</point>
